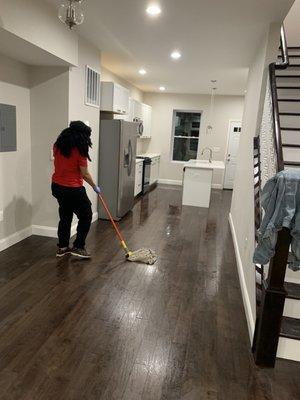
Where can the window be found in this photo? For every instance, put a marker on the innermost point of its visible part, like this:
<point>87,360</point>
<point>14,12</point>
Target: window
<point>92,87</point>
<point>186,131</point>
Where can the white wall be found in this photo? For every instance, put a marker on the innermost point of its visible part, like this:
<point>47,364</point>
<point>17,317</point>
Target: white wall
<point>242,209</point>
<point>15,167</point>
<point>291,24</point>
<point>36,22</point>
<point>49,116</point>
<point>57,97</point>
<point>163,105</point>
<point>88,55</point>
<point>108,76</point>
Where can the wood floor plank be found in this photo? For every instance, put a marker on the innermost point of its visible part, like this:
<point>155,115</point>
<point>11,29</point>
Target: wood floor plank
<point>107,329</point>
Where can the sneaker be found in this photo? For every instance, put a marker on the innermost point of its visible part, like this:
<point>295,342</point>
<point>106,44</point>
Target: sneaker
<point>81,253</point>
<point>63,252</point>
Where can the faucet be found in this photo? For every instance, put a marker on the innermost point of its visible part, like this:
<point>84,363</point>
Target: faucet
<point>210,153</point>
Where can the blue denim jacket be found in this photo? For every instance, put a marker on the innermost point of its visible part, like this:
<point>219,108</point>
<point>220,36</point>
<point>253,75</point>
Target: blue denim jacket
<point>281,203</point>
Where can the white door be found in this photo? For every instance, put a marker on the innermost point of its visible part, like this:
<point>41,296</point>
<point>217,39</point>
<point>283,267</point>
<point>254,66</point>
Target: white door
<point>231,157</point>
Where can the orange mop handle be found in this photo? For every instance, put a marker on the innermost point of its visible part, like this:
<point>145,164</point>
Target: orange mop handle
<point>118,232</point>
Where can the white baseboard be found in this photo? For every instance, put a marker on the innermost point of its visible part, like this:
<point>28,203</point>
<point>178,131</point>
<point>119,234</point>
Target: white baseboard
<point>246,299</point>
<point>74,226</point>
<point>15,238</point>
<point>170,182</point>
<point>47,231</point>
<point>50,231</point>
<point>217,186</point>
<point>95,217</point>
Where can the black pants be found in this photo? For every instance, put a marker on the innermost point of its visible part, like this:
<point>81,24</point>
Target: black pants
<point>72,201</point>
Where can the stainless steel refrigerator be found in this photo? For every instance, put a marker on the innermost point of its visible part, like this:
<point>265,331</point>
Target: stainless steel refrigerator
<point>117,165</point>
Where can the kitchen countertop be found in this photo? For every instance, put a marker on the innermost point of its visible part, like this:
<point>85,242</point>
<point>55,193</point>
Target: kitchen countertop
<point>150,155</point>
<point>204,164</point>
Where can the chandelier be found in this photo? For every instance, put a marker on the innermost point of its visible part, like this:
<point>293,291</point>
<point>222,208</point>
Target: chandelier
<point>70,13</point>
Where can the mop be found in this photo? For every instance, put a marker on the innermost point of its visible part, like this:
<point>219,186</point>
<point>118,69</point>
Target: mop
<point>146,256</point>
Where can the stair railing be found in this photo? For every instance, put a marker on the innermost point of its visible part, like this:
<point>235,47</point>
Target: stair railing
<point>276,117</point>
<point>268,324</point>
<point>284,51</point>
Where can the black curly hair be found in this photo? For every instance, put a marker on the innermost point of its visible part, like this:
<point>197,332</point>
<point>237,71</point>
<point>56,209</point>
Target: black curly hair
<point>77,135</point>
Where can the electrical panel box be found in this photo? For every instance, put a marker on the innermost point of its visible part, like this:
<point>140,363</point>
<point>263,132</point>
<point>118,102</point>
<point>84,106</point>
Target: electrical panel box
<point>8,128</point>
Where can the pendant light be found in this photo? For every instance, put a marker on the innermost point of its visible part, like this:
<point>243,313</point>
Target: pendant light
<point>210,127</point>
<point>70,13</point>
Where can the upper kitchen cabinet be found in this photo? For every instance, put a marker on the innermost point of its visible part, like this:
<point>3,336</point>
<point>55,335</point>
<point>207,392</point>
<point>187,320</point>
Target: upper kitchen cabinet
<point>146,118</point>
<point>114,98</point>
<point>136,110</point>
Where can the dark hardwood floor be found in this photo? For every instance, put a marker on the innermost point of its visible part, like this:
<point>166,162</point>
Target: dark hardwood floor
<point>114,330</point>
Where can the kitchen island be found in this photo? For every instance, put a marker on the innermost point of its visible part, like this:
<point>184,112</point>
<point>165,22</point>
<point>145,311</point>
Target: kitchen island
<point>197,182</point>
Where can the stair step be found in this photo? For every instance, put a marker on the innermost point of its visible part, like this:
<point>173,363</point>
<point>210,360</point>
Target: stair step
<point>290,328</point>
<point>290,55</point>
<point>293,290</point>
<point>290,100</point>
<point>290,145</point>
<point>288,76</point>
<point>288,87</point>
<point>292,114</point>
<point>289,129</point>
<point>293,163</point>
<point>291,48</point>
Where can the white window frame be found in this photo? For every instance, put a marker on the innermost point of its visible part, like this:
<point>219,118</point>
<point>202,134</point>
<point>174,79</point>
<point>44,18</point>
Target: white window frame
<point>86,102</point>
<point>184,137</point>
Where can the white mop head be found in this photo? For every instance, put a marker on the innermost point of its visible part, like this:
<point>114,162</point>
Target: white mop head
<point>146,256</point>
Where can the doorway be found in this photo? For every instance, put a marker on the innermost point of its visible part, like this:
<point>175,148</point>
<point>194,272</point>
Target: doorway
<point>235,128</point>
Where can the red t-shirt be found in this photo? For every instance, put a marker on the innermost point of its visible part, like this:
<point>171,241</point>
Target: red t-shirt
<point>67,170</point>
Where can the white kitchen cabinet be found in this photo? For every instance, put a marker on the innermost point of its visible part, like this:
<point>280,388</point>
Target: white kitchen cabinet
<point>138,186</point>
<point>130,110</point>
<point>114,98</point>
<point>197,182</point>
<point>154,170</point>
<point>146,118</point>
<point>137,111</point>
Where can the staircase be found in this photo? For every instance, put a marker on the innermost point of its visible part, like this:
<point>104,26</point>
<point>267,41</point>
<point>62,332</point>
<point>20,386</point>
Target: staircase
<point>288,93</point>
<point>277,332</point>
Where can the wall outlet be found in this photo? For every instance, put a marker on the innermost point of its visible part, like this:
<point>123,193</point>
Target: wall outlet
<point>216,149</point>
<point>1,215</point>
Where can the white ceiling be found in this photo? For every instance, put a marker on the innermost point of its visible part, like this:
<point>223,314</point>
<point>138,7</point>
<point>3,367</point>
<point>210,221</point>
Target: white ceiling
<point>26,52</point>
<point>217,38</point>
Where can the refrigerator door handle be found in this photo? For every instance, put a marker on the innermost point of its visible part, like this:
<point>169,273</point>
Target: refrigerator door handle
<point>126,158</point>
<point>130,150</point>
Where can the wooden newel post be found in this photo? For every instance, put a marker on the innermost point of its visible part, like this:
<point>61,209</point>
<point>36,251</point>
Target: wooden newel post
<point>269,321</point>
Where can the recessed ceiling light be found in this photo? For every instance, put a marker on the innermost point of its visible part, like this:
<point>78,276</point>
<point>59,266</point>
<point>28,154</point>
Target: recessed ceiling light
<point>153,10</point>
<point>162,88</point>
<point>142,71</point>
<point>176,55</point>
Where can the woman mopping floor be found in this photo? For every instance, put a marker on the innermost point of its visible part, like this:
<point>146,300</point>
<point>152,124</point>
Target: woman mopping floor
<point>71,155</point>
